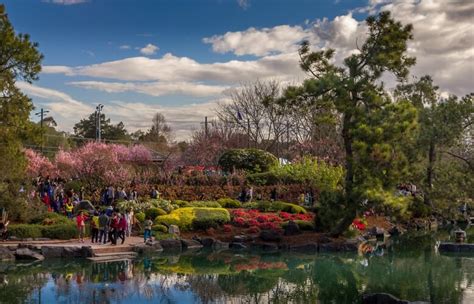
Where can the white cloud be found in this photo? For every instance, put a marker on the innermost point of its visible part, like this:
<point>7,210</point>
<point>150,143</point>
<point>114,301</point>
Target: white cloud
<point>124,47</point>
<point>66,2</point>
<point>259,42</point>
<point>136,115</point>
<point>149,49</point>
<point>153,88</point>
<point>170,68</point>
<point>65,109</point>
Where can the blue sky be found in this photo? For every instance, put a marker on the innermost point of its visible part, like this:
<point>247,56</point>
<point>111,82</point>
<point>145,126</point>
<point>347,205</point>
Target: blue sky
<point>179,57</point>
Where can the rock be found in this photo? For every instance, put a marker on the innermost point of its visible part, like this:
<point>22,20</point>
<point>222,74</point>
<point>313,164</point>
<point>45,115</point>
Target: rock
<point>208,241</point>
<point>6,254</point>
<point>385,298</point>
<point>309,247</point>
<point>72,252</point>
<point>27,254</point>
<point>173,229</point>
<point>240,238</point>
<point>149,247</point>
<point>348,246</point>
<point>218,245</point>
<point>292,228</point>
<point>455,247</point>
<point>191,244</point>
<point>324,240</point>
<point>270,236</point>
<point>86,252</point>
<point>269,247</point>
<point>235,245</point>
<point>52,251</point>
<point>171,245</point>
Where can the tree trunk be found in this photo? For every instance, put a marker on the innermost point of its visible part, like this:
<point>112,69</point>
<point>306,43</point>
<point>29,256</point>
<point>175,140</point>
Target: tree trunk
<point>351,213</point>
<point>429,174</point>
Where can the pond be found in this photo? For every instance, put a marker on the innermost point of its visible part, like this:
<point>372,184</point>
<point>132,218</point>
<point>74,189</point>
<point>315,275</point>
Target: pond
<point>409,269</point>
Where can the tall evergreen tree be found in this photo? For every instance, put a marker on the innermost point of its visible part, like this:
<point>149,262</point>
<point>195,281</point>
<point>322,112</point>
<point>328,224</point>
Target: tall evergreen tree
<point>373,127</point>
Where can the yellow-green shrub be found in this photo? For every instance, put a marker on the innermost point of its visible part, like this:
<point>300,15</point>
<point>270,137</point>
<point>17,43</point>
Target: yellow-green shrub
<point>188,218</point>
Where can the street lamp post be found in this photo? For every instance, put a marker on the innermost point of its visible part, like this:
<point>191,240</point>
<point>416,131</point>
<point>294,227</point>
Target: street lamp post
<point>98,132</point>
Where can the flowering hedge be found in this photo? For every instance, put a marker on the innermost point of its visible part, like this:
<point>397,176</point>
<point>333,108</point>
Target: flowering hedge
<point>255,219</point>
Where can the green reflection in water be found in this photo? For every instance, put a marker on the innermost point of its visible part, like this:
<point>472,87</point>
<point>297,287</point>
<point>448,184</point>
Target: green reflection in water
<point>409,269</point>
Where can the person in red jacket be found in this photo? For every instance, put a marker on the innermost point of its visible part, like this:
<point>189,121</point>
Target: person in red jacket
<point>122,227</point>
<point>114,228</point>
<point>81,225</point>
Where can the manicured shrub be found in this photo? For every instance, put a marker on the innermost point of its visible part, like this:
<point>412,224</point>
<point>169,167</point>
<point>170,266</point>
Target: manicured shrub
<point>140,216</point>
<point>188,218</point>
<point>24,231</point>
<point>205,204</point>
<point>50,218</point>
<point>180,203</point>
<point>160,228</point>
<point>163,204</point>
<point>64,231</point>
<point>210,218</point>
<point>250,160</point>
<point>229,203</point>
<point>267,206</point>
<point>154,212</point>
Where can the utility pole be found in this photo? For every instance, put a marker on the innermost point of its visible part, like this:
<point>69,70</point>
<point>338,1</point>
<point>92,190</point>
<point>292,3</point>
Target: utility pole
<point>98,132</point>
<point>41,114</point>
<point>206,128</point>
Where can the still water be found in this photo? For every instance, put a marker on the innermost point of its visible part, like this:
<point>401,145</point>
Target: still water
<point>409,269</point>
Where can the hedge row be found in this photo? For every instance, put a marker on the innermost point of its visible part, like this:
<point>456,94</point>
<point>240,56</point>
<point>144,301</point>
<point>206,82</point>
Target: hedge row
<point>266,206</point>
<point>189,218</point>
<point>61,231</point>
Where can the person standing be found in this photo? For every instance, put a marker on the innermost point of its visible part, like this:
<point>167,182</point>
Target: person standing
<point>95,228</point>
<point>81,225</point>
<point>154,193</point>
<point>113,228</point>
<point>147,231</point>
<point>122,227</point>
<point>129,219</point>
<point>103,227</point>
<point>69,208</point>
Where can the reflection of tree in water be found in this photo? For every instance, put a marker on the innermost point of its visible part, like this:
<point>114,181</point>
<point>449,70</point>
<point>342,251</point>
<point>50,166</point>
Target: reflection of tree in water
<point>246,278</point>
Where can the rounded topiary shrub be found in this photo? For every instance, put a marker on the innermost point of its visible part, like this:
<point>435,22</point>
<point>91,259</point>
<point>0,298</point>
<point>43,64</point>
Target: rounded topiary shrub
<point>154,212</point>
<point>229,203</point>
<point>250,160</point>
<point>140,216</point>
<point>159,228</point>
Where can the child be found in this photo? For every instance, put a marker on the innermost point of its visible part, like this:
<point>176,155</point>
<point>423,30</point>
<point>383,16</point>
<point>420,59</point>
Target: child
<point>147,233</point>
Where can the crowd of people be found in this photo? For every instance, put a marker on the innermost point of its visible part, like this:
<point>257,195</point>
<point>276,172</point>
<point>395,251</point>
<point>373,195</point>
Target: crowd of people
<point>107,226</point>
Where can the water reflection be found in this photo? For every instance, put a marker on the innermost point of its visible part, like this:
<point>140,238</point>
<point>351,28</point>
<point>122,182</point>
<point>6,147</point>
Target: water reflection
<point>409,270</point>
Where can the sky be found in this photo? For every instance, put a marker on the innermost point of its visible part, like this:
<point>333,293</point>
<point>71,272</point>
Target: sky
<point>180,57</point>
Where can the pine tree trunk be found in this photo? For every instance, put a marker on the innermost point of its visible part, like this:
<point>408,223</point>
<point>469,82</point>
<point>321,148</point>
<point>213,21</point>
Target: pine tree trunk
<point>351,213</point>
<point>429,174</point>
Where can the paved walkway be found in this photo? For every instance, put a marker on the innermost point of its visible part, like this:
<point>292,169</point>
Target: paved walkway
<point>75,242</point>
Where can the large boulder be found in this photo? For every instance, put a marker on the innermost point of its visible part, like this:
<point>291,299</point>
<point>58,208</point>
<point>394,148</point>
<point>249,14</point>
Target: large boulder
<point>191,244</point>
<point>28,254</point>
<point>235,245</point>
<point>270,236</point>
<point>174,230</point>
<point>218,245</point>
<point>149,247</point>
<point>6,254</point>
<point>52,251</point>
<point>72,252</point>
<point>292,228</point>
<point>207,241</point>
<point>84,205</point>
<point>171,245</point>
